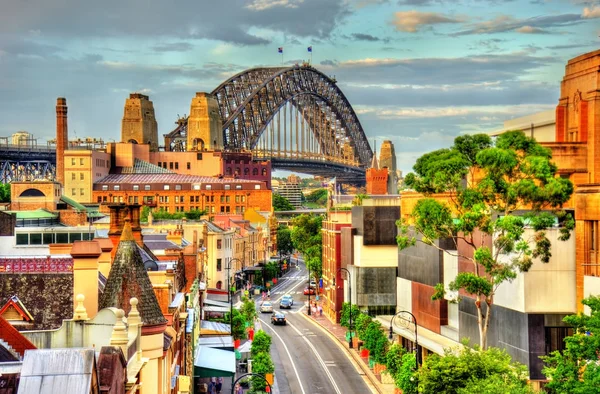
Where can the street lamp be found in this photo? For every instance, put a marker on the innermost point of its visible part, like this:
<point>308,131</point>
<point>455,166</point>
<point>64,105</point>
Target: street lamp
<point>229,298</point>
<point>268,389</point>
<point>238,261</point>
<point>308,287</point>
<point>405,323</point>
<point>350,299</point>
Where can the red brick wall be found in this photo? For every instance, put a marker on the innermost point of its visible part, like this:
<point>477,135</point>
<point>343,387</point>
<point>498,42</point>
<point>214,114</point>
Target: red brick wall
<point>73,218</point>
<point>377,181</point>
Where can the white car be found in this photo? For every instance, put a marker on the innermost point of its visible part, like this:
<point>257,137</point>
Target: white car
<point>266,307</point>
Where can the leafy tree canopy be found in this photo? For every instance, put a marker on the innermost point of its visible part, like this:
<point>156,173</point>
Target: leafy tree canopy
<point>307,239</point>
<point>261,343</point>
<point>577,369</point>
<point>4,192</point>
<point>284,241</point>
<point>487,183</point>
<point>472,371</point>
<point>281,203</point>
<point>318,196</point>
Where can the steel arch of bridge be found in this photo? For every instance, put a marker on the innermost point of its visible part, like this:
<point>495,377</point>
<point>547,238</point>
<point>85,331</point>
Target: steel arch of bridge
<point>249,101</point>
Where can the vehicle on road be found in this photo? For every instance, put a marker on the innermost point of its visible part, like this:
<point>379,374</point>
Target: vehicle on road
<point>309,290</point>
<point>313,283</point>
<point>278,318</point>
<point>285,303</point>
<point>289,298</point>
<point>266,307</point>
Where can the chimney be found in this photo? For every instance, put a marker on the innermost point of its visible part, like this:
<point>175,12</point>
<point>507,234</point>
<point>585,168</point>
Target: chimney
<point>62,138</point>
<point>117,220</point>
<point>136,229</point>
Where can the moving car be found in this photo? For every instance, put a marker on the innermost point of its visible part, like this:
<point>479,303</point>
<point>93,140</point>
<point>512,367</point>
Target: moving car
<point>289,298</point>
<point>308,290</point>
<point>278,318</point>
<point>285,303</point>
<point>266,307</point>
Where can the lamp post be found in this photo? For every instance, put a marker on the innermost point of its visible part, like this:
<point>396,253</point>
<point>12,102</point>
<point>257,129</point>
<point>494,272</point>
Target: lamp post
<point>238,261</point>
<point>268,388</point>
<point>229,298</point>
<point>308,287</point>
<point>405,324</point>
<point>350,299</point>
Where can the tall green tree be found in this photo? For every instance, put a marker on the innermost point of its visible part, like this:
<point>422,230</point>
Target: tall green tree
<point>514,173</point>
<point>281,203</point>
<point>284,240</point>
<point>4,192</point>
<point>318,197</point>
<point>577,368</point>
<point>307,239</point>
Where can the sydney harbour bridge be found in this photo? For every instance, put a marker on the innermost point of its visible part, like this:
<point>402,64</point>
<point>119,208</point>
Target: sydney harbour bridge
<point>297,117</point>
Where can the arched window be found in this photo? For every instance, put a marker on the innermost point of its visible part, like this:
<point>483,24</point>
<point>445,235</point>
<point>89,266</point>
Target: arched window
<point>219,284</point>
<point>255,171</point>
<point>31,193</point>
<point>246,171</point>
<point>132,141</point>
<point>199,144</point>
<point>228,171</point>
<point>264,172</point>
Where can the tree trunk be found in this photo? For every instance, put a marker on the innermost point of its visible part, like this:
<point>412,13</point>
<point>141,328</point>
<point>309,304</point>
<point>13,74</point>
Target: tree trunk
<point>480,323</point>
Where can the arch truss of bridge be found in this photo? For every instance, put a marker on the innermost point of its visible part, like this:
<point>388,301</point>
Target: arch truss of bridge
<point>298,118</point>
<point>26,163</point>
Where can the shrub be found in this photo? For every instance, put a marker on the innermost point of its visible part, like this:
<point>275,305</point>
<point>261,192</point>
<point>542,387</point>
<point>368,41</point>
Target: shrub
<point>260,344</point>
<point>393,358</point>
<point>261,364</point>
<point>345,315</point>
<point>362,322</point>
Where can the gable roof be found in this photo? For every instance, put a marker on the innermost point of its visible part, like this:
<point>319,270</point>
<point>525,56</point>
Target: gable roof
<point>65,371</point>
<point>14,338</point>
<point>128,278</point>
<point>18,305</point>
<point>143,167</point>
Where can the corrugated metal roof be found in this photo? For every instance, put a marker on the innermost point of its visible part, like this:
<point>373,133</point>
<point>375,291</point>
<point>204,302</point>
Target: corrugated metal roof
<point>37,214</point>
<point>143,167</point>
<point>49,371</point>
<point>167,178</point>
<point>161,245</point>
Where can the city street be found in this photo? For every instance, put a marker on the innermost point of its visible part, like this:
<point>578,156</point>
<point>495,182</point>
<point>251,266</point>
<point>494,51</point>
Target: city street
<point>307,360</point>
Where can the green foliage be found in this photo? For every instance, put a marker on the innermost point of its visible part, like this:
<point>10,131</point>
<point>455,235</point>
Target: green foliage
<point>195,214</point>
<point>318,197</point>
<point>260,344</point>
<point>577,369</point>
<point>248,310</point>
<point>307,239</point>
<point>407,377</point>
<point>281,203</point>
<point>239,321</point>
<point>362,322</point>
<point>4,192</point>
<point>358,199</point>
<point>345,315</point>
<point>372,335</point>
<point>284,241</point>
<point>144,213</point>
<point>271,270</point>
<point>515,173</point>
<point>261,364</point>
<point>393,358</point>
<point>461,370</point>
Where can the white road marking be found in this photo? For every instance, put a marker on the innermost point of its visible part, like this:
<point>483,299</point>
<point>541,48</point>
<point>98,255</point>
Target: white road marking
<point>289,355</point>
<point>335,386</point>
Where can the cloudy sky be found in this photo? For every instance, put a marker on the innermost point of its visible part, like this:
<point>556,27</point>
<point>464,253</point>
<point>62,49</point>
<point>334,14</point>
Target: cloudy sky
<point>417,72</point>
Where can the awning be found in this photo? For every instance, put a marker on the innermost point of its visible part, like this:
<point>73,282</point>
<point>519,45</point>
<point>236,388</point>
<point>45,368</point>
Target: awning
<point>223,304</point>
<point>255,268</point>
<point>210,308</point>
<point>214,328</point>
<point>245,347</point>
<point>213,362</point>
<point>221,341</point>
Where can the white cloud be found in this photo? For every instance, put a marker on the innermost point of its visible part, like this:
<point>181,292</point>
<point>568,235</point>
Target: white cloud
<point>261,5</point>
<point>530,30</point>
<point>413,21</point>
<point>591,13</point>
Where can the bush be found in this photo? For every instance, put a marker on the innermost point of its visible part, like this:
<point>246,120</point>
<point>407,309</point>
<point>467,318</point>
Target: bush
<point>381,348</point>
<point>362,322</point>
<point>248,310</point>
<point>261,364</point>
<point>345,315</point>
<point>372,335</point>
<point>260,344</point>
<point>393,358</point>
<point>239,324</point>
<point>406,378</point>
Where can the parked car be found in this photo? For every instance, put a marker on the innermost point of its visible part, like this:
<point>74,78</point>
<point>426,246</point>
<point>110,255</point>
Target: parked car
<point>313,283</point>
<point>289,298</point>
<point>278,318</point>
<point>266,307</point>
<point>285,303</point>
<point>310,290</point>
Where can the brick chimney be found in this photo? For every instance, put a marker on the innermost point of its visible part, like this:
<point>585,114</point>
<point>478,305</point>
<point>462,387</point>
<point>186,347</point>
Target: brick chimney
<point>62,138</point>
<point>136,229</point>
<point>118,213</point>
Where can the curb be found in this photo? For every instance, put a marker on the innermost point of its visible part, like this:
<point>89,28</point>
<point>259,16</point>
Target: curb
<point>374,383</point>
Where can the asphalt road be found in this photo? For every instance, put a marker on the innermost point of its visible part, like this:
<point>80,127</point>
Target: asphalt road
<point>307,360</point>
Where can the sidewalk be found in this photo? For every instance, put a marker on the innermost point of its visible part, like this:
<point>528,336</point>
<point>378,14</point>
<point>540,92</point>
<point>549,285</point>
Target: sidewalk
<point>339,333</point>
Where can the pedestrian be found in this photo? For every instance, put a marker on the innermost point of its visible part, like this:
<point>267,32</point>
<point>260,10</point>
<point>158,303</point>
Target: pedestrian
<point>320,310</point>
<point>211,385</point>
<point>219,385</point>
<point>268,293</point>
<point>264,295</point>
<point>239,389</point>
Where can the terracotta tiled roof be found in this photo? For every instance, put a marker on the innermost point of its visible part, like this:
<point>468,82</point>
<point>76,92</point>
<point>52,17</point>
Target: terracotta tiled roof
<point>167,178</point>
<point>128,278</point>
<point>14,338</point>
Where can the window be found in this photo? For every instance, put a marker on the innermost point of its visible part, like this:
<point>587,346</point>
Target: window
<point>255,171</point>
<point>591,265</point>
<point>227,209</point>
<point>81,176</point>
<point>130,200</point>
<point>81,192</point>
<point>72,162</point>
<point>208,187</point>
<point>182,199</point>
<point>227,187</point>
<point>170,165</point>
<point>135,199</point>
<point>222,199</point>
<point>72,176</point>
<point>256,187</point>
<point>73,192</point>
<point>227,198</point>
<point>176,165</point>
<point>237,198</point>
<point>177,187</point>
<point>246,171</point>
<point>136,187</point>
<point>238,187</point>
<point>196,187</point>
<point>219,265</point>
<point>219,243</point>
<point>166,187</point>
<point>189,165</point>
<point>146,187</point>
<point>555,338</point>
<point>80,162</point>
<point>264,172</point>
<point>117,187</point>
<point>243,198</point>
<point>176,199</point>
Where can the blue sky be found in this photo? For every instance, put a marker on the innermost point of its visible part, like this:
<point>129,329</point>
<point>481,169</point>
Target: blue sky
<point>417,72</point>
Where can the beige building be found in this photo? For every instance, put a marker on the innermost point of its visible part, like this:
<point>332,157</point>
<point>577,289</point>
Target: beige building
<point>82,169</point>
<point>541,126</point>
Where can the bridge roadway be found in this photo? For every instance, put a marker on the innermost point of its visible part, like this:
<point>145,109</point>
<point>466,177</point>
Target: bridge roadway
<point>307,360</point>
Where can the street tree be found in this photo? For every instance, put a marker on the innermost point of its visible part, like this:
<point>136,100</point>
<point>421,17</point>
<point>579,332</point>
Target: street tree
<point>4,192</point>
<point>487,183</point>
<point>281,203</point>
<point>284,241</point>
<point>307,239</point>
<point>577,368</point>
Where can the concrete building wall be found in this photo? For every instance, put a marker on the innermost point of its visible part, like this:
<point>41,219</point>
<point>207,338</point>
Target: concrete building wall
<point>591,286</point>
<point>193,163</point>
<point>374,256</point>
<point>540,126</point>
<point>376,224</point>
<point>404,295</point>
<point>82,169</point>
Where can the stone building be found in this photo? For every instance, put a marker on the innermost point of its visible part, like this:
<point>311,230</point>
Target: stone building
<point>387,159</point>
<point>139,123</point>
